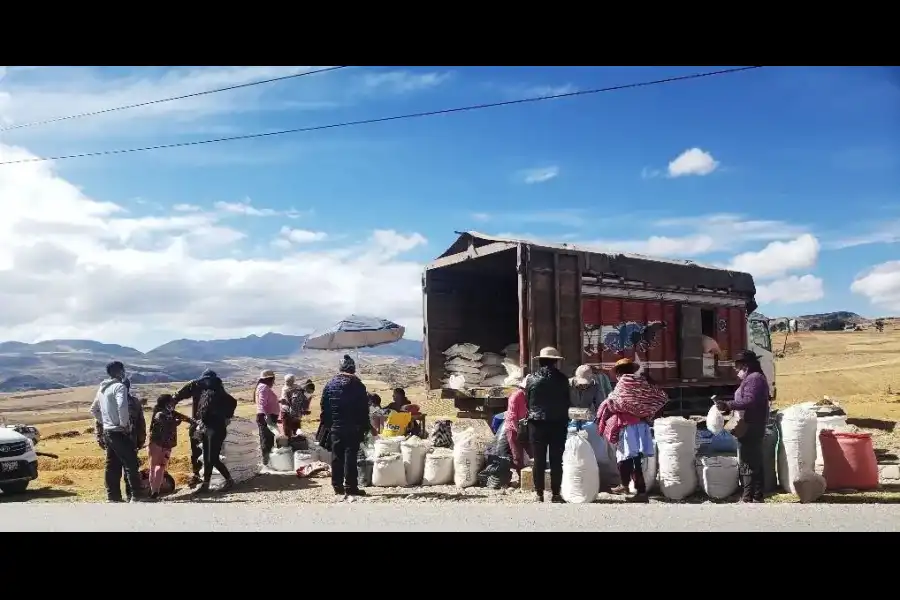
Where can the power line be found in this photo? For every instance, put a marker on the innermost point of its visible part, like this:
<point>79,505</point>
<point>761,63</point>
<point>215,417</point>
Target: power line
<point>172,99</point>
<point>432,113</point>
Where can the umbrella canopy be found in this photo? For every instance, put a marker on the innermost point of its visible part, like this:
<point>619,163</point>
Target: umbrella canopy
<point>356,332</point>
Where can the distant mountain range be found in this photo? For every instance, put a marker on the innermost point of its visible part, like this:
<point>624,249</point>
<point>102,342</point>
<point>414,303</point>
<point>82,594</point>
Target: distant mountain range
<point>56,364</point>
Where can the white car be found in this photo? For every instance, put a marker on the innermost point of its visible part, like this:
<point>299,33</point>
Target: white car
<point>18,461</point>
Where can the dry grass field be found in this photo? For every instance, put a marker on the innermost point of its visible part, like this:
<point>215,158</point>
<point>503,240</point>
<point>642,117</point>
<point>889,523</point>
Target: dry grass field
<point>860,370</point>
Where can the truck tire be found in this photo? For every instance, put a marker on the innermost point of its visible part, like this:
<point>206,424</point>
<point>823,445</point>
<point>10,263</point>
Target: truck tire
<point>15,487</point>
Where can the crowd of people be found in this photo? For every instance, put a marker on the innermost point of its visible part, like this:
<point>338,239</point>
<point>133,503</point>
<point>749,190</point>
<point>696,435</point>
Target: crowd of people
<point>547,404</point>
<point>539,414</point>
<point>349,414</point>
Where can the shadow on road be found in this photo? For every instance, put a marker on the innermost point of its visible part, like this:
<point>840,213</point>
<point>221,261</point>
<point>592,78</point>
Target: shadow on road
<point>37,494</point>
<point>261,483</point>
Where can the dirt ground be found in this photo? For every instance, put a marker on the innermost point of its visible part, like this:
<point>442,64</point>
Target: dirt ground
<point>860,370</point>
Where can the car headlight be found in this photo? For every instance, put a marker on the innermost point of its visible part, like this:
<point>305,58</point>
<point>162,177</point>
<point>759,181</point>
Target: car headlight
<point>29,444</point>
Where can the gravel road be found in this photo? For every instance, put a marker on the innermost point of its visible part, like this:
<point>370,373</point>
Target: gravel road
<point>447,517</point>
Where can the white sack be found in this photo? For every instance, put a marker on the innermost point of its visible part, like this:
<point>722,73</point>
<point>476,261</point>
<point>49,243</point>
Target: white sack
<point>797,451</point>
<point>512,351</point>
<point>438,467</point>
<point>413,451</point>
<point>675,440</point>
<point>388,471</point>
<point>465,459</point>
<point>810,486</point>
<point>491,359</point>
<point>282,460</point>
<point>493,371</point>
<point>385,446</point>
<point>495,381</point>
<point>457,349</point>
<point>715,420</point>
<point>718,475</point>
<point>581,476</point>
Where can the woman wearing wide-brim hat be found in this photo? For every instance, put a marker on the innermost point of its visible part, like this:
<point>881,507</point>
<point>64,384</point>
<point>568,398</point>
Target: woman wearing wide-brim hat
<point>547,393</point>
<point>751,397</point>
<point>267,409</point>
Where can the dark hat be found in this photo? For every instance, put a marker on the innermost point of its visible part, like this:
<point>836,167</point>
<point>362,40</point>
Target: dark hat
<point>348,365</point>
<point>208,373</point>
<point>746,356</point>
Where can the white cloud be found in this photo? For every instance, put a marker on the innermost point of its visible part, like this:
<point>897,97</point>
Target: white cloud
<point>41,94</point>
<point>778,258</point>
<point>186,208</point>
<point>542,91</point>
<point>247,209</point>
<point>404,82</point>
<point>539,175</point>
<point>791,290</point>
<point>693,162</point>
<point>886,233</point>
<point>75,266</point>
<point>301,236</point>
<point>881,285</point>
<point>699,235</point>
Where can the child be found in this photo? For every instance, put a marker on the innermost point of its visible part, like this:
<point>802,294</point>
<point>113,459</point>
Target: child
<point>164,437</point>
<point>294,403</point>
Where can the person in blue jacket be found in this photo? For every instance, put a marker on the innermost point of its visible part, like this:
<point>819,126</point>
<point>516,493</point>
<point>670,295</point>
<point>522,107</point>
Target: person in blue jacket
<point>345,413</point>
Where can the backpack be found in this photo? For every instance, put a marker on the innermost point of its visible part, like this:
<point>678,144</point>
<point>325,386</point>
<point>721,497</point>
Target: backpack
<point>138,421</point>
<point>214,405</point>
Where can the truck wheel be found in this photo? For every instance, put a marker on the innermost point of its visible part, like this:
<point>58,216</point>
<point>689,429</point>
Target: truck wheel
<point>16,487</point>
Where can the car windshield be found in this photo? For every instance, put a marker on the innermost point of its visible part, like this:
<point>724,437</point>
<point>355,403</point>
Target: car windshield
<point>759,334</point>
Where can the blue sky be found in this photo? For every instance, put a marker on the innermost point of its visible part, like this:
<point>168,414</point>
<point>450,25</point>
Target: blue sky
<point>790,173</point>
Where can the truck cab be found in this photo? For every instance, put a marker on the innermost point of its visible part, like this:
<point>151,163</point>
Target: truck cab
<point>759,340</point>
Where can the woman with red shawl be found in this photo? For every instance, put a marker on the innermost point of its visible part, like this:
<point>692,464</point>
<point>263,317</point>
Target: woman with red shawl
<point>623,421</point>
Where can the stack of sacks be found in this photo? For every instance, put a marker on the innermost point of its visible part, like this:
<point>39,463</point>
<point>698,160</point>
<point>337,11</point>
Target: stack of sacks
<point>463,361</point>
<point>493,371</point>
<point>514,371</point>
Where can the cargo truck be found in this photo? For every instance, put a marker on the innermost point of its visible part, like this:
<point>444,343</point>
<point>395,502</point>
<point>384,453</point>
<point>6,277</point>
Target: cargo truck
<point>595,308</point>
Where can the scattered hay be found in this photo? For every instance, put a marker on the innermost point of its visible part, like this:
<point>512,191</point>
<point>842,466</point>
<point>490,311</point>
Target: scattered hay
<point>62,435</point>
<point>71,463</point>
<point>180,463</point>
<point>181,477</point>
<point>59,480</point>
<point>88,430</point>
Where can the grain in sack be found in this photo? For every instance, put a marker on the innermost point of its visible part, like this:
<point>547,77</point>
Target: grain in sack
<point>675,441</point>
<point>438,467</point>
<point>797,450</point>
<point>465,459</point>
<point>581,475</point>
<point>388,471</point>
<point>387,445</point>
<point>718,475</point>
<point>413,451</point>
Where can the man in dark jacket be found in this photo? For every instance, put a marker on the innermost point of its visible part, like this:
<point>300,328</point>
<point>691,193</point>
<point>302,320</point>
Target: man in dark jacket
<point>547,392</point>
<point>209,382</point>
<point>345,411</point>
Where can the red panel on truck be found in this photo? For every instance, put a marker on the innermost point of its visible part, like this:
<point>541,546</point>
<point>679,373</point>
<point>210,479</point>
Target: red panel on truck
<point>616,328</point>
